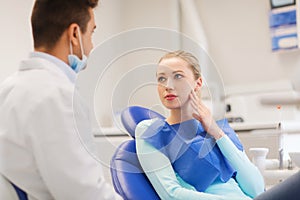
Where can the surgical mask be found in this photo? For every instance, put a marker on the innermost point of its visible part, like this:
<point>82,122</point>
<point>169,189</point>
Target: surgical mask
<point>76,63</point>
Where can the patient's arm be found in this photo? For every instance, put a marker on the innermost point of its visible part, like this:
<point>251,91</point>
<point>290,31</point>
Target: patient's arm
<point>160,172</point>
<point>248,176</point>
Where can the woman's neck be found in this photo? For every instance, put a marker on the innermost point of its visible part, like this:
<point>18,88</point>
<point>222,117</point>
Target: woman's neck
<point>179,115</point>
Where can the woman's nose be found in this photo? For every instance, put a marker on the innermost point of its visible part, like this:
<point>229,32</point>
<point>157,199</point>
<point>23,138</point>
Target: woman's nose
<point>169,85</point>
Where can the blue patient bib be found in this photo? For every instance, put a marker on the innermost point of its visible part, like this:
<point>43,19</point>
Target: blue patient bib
<point>194,154</point>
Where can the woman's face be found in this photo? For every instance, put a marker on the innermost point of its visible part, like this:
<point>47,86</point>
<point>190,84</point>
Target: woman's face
<point>176,81</point>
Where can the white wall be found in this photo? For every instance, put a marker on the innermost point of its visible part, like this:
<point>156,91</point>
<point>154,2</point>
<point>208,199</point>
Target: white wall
<point>108,19</point>
<point>15,39</point>
<point>131,14</point>
<point>240,42</point>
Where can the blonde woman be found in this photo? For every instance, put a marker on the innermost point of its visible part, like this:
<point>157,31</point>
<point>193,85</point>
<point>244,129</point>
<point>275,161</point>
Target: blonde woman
<point>189,155</point>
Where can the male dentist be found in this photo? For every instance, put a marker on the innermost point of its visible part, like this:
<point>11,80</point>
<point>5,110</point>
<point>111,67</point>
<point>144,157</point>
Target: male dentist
<point>41,151</point>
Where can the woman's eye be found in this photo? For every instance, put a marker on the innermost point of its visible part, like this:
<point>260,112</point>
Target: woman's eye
<point>161,79</point>
<point>178,76</point>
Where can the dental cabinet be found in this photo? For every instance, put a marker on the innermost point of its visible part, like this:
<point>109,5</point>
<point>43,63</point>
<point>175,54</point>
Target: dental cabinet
<point>277,140</point>
<point>270,118</point>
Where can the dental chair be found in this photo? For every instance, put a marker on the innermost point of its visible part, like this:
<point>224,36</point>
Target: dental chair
<point>9,191</point>
<point>128,178</point>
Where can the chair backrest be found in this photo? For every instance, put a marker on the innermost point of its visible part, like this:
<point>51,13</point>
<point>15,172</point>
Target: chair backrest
<point>128,177</point>
<point>9,191</point>
<point>132,115</point>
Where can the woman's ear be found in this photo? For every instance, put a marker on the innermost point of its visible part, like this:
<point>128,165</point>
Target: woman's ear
<point>198,84</point>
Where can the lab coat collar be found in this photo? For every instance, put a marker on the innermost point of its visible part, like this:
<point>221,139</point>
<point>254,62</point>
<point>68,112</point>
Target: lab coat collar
<point>53,64</point>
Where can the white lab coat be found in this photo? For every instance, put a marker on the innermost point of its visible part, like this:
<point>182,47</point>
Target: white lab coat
<point>40,147</point>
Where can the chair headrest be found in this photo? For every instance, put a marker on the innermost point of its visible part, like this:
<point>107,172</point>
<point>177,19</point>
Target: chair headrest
<point>133,115</point>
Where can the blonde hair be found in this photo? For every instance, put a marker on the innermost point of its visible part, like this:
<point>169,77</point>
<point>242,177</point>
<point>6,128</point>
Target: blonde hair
<point>188,57</point>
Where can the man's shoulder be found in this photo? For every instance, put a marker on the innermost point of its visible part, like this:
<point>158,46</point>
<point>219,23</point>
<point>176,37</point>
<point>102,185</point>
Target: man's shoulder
<point>37,85</point>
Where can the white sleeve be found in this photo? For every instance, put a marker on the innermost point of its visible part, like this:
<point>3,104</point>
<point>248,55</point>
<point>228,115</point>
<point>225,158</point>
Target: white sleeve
<point>160,172</point>
<point>66,166</point>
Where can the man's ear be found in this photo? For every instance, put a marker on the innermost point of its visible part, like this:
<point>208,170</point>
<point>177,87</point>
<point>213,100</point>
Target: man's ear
<point>198,84</point>
<point>73,34</point>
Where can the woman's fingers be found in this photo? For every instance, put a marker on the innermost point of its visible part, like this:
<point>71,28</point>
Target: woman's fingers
<point>203,115</point>
<point>201,112</point>
<point>194,96</point>
<point>197,117</point>
<point>197,105</point>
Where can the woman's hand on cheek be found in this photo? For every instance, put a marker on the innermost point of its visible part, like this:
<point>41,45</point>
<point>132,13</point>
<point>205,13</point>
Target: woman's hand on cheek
<point>204,116</point>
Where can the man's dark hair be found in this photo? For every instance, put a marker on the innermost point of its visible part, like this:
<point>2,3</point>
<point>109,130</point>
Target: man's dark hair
<point>50,18</point>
